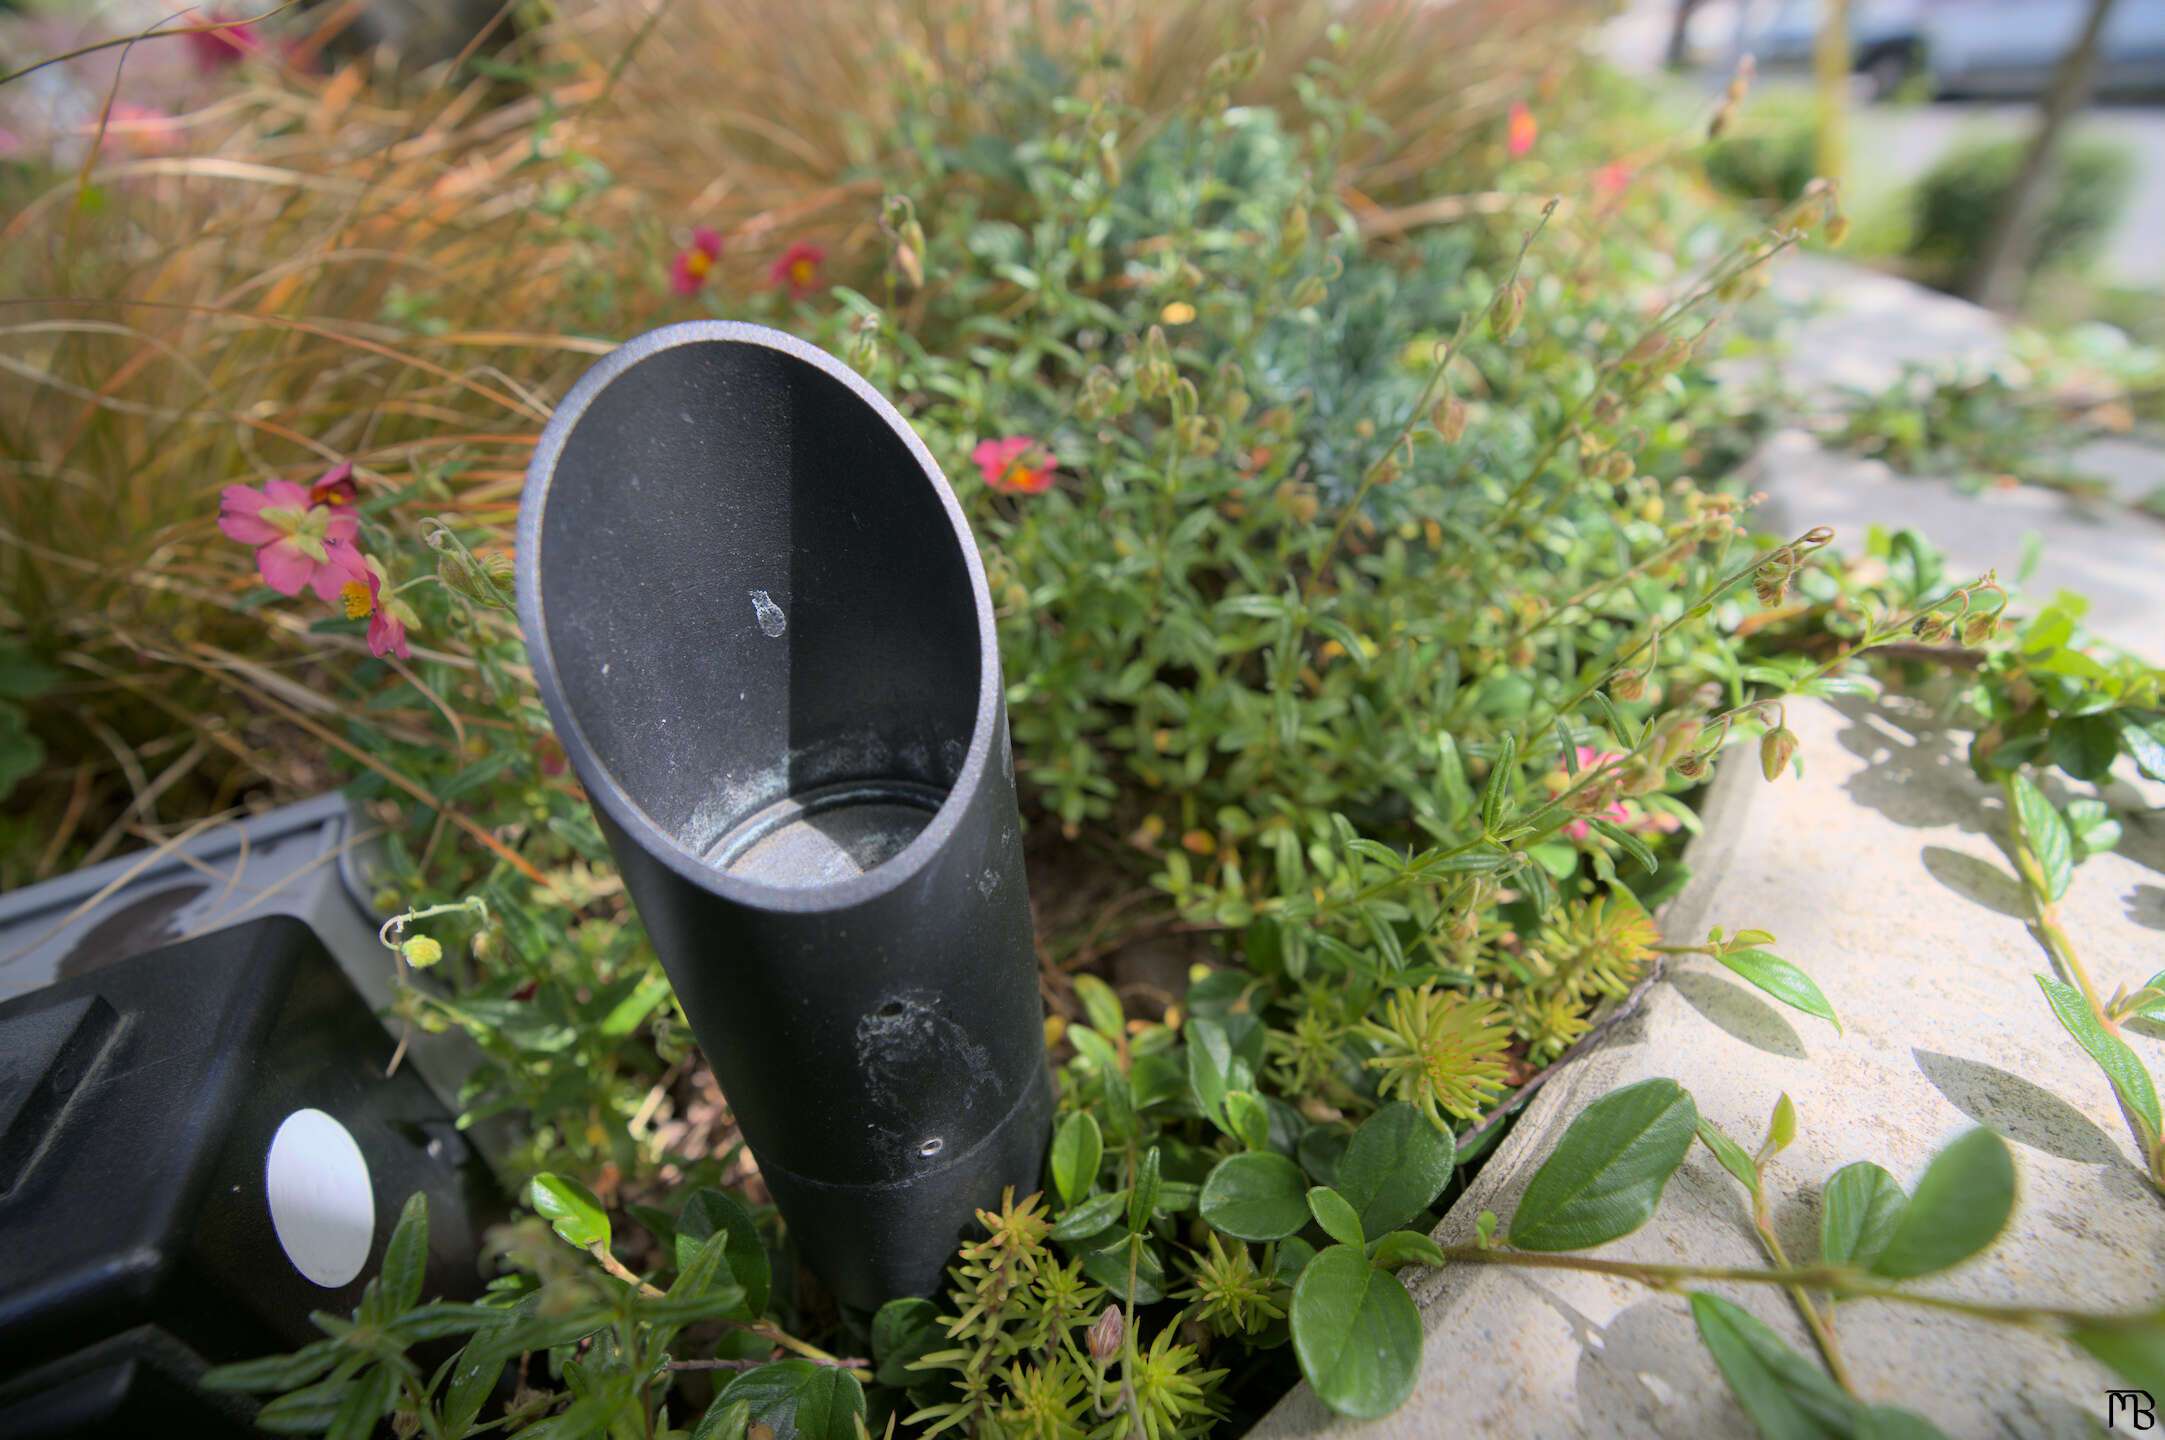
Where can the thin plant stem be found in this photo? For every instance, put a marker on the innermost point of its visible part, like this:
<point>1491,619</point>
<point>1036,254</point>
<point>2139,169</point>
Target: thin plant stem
<point>1843,1282</point>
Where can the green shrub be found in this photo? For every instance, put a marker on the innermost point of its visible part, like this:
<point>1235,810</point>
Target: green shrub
<point>1962,196</point>
<point>1771,161</point>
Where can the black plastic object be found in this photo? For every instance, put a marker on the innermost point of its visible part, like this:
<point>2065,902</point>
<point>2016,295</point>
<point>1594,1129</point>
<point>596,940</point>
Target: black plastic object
<point>155,1190</point>
<point>762,630</point>
<point>316,860</point>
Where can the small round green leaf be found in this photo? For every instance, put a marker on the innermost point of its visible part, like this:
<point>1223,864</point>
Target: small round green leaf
<point>1093,1215</point>
<point>1320,1149</point>
<point>1337,1217</point>
<point>2085,745</point>
<point>1606,1175</point>
<point>1406,1247</point>
<point>1247,1119</point>
<point>1858,1211</point>
<point>710,1212</point>
<point>1884,1422</point>
<point>1787,1396</point>
<point>1394,1167</point>
<point>1076,1151</point>
<point>2135,1351</point>
<point>798,1400</point>
<point>571,1209</point>
<point>1961,1204</point>
<point>905,1331</point>
<point>2046,834</point>
<point>1356,1333</point>
<point>1257,1195</point>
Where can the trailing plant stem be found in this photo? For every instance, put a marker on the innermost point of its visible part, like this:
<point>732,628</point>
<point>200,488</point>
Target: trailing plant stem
<point>765,1329</point>
<point>1842,1282</point>
<point>1822,1333</point>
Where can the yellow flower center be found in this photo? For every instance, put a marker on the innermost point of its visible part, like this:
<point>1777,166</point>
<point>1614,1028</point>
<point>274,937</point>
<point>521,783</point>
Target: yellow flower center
<point>696,264</point>
<point>1019,475</point>
<point>354,596</point>
<point>802,271</point>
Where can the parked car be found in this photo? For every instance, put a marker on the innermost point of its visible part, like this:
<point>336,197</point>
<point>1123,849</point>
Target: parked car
<point>1966,47</point>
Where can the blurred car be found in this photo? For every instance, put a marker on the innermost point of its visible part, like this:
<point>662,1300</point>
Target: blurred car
<point>1967,47</point>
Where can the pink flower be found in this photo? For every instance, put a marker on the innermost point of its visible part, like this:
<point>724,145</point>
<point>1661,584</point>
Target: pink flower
<point>689,270</point>
<point>215,49</point>
<point>798,269</point>
<point>1520,129</point>
<point>361,593</point>
<point>1610,180</point>
<point>335,486</point>
<point>292,534</point>
<point>141,129</point>
<point>1018,465</point>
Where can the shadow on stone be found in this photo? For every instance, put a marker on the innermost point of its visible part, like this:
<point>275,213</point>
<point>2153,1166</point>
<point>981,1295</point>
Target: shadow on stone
<point>1632,1371</point>
<point>1977,880</point>
<point>1648,1362</point>
<point>1740,1013</point>
<point>2017,1109</point>
<point>1913,773</point>
<point>2142,840</point>
<point>2146,906</point>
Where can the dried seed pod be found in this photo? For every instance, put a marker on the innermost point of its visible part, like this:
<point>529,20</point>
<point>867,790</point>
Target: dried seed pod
<point>1449,418</point>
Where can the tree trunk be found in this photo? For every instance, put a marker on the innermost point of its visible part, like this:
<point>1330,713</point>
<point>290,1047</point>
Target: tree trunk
<point>1998,278</point>
<point>1679,24</point>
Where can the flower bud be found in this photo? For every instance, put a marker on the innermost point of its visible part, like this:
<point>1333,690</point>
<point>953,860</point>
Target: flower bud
<point>1293,231</point>
<point>1507,310</point>
<point>1629,685</point>
<point>1776,749</point>
<point>1979,628</point>
<point>420,951</point>
<point>1837,229</point>
<point>1309,292</point>
<point>1678,739</point>
<point>1691,767</point>
<point>1106,1334</point>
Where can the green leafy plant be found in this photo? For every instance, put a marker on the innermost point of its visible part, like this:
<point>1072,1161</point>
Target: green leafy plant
<point>1959,198</point>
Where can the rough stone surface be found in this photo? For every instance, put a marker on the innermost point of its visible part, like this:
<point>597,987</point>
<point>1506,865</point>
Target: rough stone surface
<point>1880,872</point>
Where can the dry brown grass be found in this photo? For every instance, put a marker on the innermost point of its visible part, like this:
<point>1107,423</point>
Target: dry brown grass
<point>322,274</point>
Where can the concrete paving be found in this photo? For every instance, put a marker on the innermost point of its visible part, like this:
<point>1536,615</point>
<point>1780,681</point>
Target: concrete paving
<point>1880,873</point>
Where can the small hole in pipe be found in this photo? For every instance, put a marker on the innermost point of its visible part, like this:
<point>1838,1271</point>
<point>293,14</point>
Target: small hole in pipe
<point>932,1147</point>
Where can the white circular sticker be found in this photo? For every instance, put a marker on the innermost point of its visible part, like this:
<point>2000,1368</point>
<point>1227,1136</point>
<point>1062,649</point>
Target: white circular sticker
<point>322,1205</point>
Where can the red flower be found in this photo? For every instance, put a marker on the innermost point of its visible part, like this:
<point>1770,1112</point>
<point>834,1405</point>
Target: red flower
<point>335,487</point>
<point>362,594</point>
<point>798,269</point>
<point>689,270</point>
<point>293,535</point>
<point>1520,129</point>
<point>1017,465</point>
<point>216,49</point>
<point>1612,178</point>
